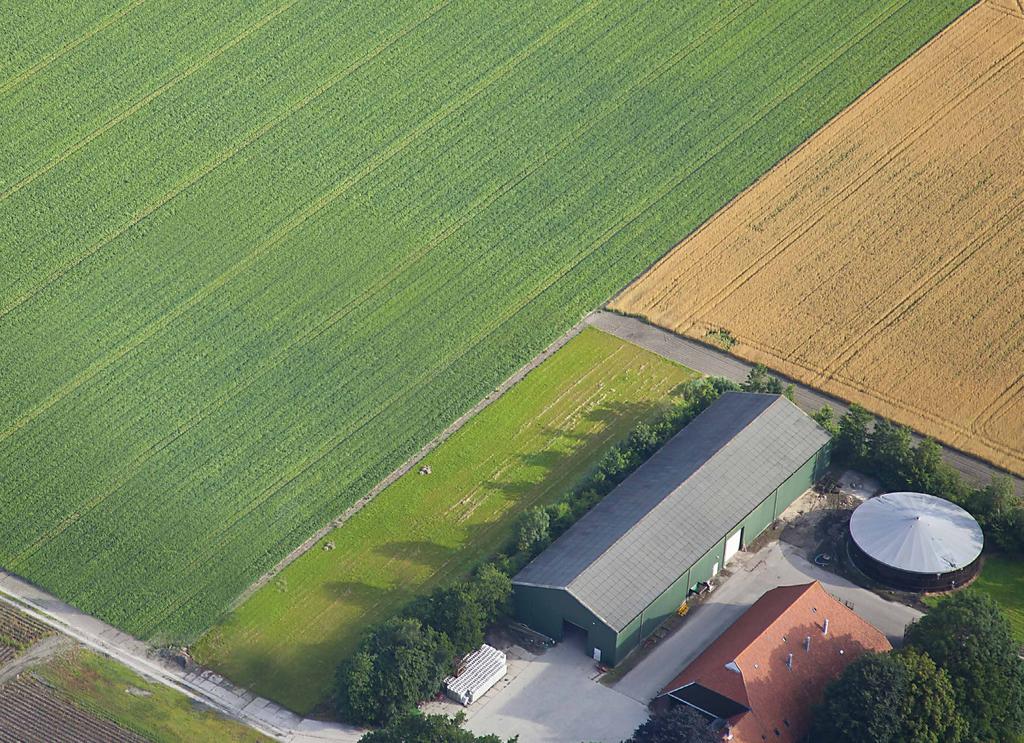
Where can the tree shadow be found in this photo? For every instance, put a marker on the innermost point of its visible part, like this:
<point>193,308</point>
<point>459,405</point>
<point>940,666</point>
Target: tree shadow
<point>423,552</point>
<point>554,463</point>
<point>355,593</point>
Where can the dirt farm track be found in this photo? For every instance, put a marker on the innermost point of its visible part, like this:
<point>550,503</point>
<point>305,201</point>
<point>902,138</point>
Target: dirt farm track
<point>883,262</point>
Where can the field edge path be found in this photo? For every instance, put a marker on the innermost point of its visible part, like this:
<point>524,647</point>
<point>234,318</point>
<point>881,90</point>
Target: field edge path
<point>708,360</point>
<point>199,684</point>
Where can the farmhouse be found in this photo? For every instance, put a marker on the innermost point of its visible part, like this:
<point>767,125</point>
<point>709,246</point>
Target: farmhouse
<point>667,529</point>
<point>762,677</point>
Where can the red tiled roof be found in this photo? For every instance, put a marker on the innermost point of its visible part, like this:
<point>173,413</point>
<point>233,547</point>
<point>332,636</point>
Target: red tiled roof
<point>780,698</point>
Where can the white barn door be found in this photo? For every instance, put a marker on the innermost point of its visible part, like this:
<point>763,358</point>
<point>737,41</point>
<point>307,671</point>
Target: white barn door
<point>732,544</point>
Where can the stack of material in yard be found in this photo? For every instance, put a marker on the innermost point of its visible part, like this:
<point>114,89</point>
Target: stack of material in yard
<point>480,670</point>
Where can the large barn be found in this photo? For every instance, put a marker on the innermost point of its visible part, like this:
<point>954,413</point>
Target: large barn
<point>670,526</point>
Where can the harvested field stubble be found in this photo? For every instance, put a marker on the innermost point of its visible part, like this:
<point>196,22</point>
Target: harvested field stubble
<point>884,261</point>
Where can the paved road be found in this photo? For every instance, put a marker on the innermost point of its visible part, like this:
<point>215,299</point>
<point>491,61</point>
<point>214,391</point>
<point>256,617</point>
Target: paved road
<point>203,686</point>
<point>708,360</point>
<point>752,574</point>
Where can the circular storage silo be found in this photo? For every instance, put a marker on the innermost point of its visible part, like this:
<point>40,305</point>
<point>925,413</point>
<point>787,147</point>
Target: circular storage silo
<point>915,541</point>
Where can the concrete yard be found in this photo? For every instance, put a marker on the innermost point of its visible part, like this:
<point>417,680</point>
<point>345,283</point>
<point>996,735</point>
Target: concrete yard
<point>551,698</point>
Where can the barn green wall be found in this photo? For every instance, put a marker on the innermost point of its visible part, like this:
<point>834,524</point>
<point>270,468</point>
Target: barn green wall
<point>796,484</point>
<point>544,609</point>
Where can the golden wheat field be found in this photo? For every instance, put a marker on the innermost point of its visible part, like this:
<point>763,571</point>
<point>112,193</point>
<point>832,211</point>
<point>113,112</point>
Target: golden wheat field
<point>883,261</point>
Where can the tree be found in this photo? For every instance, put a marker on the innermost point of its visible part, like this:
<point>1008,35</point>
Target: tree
<point>891,452</point>
<point>864,703</point>
<point>699,393</point>
<point>680,724</point>
<point>930,713</point>
<point>968,636</point>
<point>532,529</point>
<point>889,698</point>
<point>560,518</point>
<point>417,728</point>
<point>826,418</point>
<point>455,612</point>
<point>759,379</point>
<point>492,589</point>
<point>925,467</point>
<point>397,665</point>
<point>852,440</point>
<point>994,501</point>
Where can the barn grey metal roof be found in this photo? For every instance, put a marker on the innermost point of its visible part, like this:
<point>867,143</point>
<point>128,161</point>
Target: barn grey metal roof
<point>676,506</point>
<point>917,533</point>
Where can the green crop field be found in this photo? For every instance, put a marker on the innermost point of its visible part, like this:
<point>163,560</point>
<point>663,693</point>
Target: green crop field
<point>255,254</point>
<point>529,447</point>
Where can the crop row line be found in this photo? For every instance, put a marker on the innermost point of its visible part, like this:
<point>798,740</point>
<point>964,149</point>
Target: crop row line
<point>906,90</point>
<point>333,442</point>
<point>211,165</point>
<point>49,59</point>
<point>274,240</point>
<point>145,100</point>
<point>385,280</point>
<point>824,207</point>
<point>921,287</point>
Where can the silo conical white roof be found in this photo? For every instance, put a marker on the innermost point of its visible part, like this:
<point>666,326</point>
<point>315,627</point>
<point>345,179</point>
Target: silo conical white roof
<point>917,533</point>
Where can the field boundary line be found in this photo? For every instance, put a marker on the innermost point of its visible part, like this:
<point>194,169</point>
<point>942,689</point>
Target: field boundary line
<point>560,481</point>
<point>146,100</point>
<point>906,89</point>
<point>52,57</point>
<point>824,208</point>
<point>275,239</point>
<point>412,461</point>
<point>199,684</point>
<point>297,220</point>
<point>633,329</point>
<point>222,157</point>
<point>788,157</point>
<point>366,294</point>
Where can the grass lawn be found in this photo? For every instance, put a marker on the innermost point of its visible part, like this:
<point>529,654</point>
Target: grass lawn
<point>1002,578</point>
<point>99,685</point>
<point>528,447</point>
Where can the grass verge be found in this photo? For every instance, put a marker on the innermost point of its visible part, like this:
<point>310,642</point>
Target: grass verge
<point>109,690</point>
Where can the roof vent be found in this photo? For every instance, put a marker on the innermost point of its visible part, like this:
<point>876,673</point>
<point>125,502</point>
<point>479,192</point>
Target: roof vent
<point>807,643</point>
<point>789,661</point>
<point>824,630</point>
